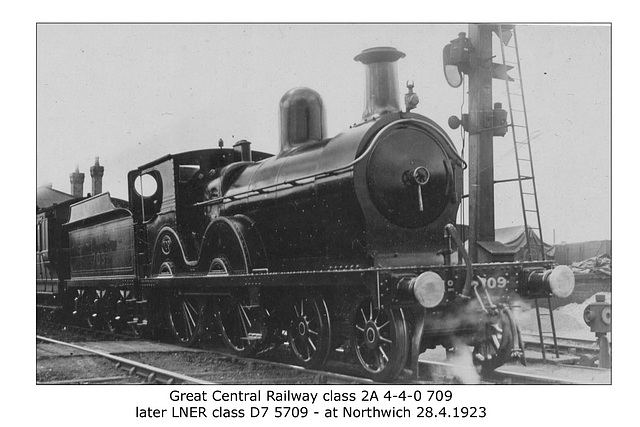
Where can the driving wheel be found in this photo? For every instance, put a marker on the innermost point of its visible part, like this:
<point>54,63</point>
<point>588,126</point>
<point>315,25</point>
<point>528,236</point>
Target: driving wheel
<point>185,314</point>
<point>379,338</point>
<point>240,324</point>
<point>309,333</point>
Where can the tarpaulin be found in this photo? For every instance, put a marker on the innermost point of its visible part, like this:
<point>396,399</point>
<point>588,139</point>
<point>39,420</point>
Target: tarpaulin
<point>515,238</point>
<point>597,265</point>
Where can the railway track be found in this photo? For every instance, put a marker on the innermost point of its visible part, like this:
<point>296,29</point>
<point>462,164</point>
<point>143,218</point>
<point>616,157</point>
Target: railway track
<point>220,367</point>
<point>226,365</point>
<point>516,373</point>
<point>232,370</point>
<point>338,372</point>
<point>150,373</point>
<point>568,374</point>
<point>565,344</point>
<point>76,333</point>
<point>210,365</point>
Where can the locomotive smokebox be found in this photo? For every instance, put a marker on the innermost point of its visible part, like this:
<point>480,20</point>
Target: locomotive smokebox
<point>302,118</point>
<point>382,91</point>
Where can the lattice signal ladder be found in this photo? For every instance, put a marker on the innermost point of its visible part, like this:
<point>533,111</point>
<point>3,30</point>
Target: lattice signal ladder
<point>521,143</point>
<point>524,162</point>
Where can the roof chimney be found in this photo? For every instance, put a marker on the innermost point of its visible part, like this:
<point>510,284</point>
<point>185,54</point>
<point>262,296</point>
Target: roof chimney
<point>77,182</point>
<point>97,172</point>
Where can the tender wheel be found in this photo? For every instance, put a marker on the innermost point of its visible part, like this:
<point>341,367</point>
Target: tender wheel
<point>136,317</point>
<point>497,347</point>
<point>310,331</point>
<point>108,311</point>
<point>379,337</point>
<point>136,330</point>
<point>86,312</point>
<point>185,317</point>
<point>240,328</point>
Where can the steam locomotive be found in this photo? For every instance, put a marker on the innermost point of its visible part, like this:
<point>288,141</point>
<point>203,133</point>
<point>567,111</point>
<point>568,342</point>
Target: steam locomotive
<point>332,245</point>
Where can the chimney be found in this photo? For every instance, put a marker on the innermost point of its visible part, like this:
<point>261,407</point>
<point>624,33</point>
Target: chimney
<point>382,90</point>
<point>97,172</point>
<point>77,182</point>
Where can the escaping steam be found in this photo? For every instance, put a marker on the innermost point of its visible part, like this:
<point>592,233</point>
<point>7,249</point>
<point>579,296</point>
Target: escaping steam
<point>462,367</point>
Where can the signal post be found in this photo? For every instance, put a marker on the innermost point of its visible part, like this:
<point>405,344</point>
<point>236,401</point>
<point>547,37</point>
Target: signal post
<point>481,193</point>
<point>474,56</point>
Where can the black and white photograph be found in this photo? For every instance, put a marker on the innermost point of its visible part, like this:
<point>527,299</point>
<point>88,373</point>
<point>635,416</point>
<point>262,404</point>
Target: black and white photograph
<point>311,222</point>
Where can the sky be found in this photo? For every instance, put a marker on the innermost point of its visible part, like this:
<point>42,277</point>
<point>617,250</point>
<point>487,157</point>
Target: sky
<point>133,93</point>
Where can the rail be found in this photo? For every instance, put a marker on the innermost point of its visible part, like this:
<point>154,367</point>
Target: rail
<point>510,374</point>
<point>151,373</point>
<point>156,375</point>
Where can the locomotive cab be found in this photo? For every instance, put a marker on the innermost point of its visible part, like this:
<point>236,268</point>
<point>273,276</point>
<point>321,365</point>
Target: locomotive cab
<point>164,197</point>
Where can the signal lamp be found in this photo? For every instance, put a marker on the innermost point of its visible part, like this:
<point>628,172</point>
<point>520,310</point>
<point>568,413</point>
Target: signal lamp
<point>456,59</point>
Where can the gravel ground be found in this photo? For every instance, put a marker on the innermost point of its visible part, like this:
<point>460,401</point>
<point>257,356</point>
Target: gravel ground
<point>57,363</point>
<point>49,369</point>
<point>211,367</point>
<point>203,365</point>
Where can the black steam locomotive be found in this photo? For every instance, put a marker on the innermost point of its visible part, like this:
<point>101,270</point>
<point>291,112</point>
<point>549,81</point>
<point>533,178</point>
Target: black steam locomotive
<point>341,244</point>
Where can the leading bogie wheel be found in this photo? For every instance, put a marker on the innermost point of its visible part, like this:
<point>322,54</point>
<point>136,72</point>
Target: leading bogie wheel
<point>379,338</point>
<point>497,346</point>
<point>309,332</point>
